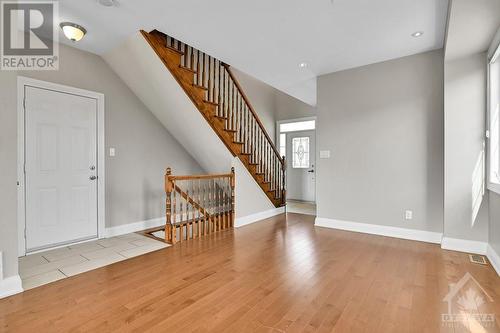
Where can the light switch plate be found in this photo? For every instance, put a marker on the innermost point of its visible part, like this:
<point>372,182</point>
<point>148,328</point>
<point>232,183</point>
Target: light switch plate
<point>112,152</point>
<point>324,154</point>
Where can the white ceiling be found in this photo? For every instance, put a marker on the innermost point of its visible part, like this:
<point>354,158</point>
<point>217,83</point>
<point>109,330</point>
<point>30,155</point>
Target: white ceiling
<point>471,27</point>
<point>269,38</point>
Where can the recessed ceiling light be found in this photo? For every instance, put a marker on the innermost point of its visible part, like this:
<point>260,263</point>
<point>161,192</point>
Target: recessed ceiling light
<point>303,65</point>
<point>417,34</point>
<point>73,31</point>
<point>107,3</point>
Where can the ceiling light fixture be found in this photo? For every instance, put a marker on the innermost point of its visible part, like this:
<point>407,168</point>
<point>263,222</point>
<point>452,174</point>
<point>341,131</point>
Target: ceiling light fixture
<point>417,34</point>
<point>107,3</point>
<point>73,31</point>
<point>303,65</point>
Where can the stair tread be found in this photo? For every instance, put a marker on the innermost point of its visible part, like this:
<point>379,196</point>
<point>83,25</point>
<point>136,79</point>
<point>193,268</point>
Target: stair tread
<point>198,86</point>
<point>209,102</point>
<point>248,154</point>
<point>173,49</point>
<point>188,69</point>
<point>221,117</point>
<point>230,130</point>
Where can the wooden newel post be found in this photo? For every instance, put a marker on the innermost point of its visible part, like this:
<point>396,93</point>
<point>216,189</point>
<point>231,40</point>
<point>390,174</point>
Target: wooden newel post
<point>283,187</point>
<point>168,190</point>
<point>233,184</point>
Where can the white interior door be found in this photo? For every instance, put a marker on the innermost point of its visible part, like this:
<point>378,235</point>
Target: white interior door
<point>61,168</point>
<point>300,152</point>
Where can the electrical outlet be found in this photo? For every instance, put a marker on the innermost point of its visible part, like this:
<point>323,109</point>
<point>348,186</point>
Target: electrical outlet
<point>408,214</point>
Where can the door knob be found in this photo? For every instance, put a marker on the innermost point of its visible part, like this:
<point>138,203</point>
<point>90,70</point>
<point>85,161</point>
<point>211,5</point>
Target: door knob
<point>92,177</point>
<point>92,167</point>
<point>311,171</point>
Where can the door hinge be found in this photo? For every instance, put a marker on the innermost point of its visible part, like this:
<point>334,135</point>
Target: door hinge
<point>24,168</point>
<point>24,232</point>
<point>24,103</point>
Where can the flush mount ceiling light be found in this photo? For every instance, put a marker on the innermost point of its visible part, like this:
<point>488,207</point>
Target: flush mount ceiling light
<point>417,34</point>
<point>73,31</point>
<point>107,3</point>
<point>303,65</point>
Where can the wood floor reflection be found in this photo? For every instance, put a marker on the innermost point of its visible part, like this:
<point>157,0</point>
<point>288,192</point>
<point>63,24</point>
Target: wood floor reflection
<point>282,274</point>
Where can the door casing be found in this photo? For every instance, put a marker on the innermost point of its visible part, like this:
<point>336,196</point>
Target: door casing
<point>315,153</point>
<point>23,82</point>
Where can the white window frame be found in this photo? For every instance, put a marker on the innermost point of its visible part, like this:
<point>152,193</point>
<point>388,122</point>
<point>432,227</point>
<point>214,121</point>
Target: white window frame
<point>295,120</point>
<point>493,55</point>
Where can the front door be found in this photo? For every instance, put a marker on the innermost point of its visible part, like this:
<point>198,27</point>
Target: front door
<point>61,168</point>
<point>300,148</point>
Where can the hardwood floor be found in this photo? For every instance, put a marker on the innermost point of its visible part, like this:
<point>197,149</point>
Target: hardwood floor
<point>280,275</point>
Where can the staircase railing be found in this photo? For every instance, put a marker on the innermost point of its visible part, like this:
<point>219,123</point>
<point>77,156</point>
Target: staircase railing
<point>198,205</point>
<point>233,106</point>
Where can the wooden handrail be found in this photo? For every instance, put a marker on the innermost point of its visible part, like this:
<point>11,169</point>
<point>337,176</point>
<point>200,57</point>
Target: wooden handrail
<point>196,219</point>
<point>209,176</point>
<point>216,92</point>
<point>247,101</point>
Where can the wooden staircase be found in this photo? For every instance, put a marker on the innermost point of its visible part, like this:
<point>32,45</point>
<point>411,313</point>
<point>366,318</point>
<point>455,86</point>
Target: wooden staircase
<point>214,90</point>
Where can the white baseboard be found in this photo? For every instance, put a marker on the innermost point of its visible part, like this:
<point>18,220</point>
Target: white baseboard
<point>241,221</point>
<point>494,258</point>
<point>464,245</point>
<point>134,227</point>
<point>381,230</point>
<point>10,286</point>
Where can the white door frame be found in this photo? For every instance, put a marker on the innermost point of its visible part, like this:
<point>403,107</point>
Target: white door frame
<point>316,157</point>
<point>295,120</point>
<point>23,82</point>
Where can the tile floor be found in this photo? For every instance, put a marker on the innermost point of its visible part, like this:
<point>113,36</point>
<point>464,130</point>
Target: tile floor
<point>52,265</point>
<point>301,207</point>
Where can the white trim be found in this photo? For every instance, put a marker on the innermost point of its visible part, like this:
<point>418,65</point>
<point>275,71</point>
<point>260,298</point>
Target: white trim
<point>252,218</point>
<point>22,82</point>
<point>295,120</point>
<point>10,286</point>
<point>381,230</point>
<point>464,245</point>
<point>134,227</point>
<point>494,258</point>
<point>492,54</point>
<point>494,188</point>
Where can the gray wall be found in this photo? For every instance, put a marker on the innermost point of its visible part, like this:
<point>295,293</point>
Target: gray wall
<point>465,110</point>
<point>384,126</point>
<point>271,104</point>
<point>134,178</point>
<point>261,97</point>
<point>494,216</point>
<point>288,107</point>
<point>8,170</point>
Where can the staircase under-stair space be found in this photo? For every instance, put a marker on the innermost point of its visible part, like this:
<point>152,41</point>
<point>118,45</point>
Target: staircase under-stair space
<point>216,93</point>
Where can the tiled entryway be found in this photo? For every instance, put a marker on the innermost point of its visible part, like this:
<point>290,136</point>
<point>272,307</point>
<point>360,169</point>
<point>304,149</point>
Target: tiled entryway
<point>52,265</point>
<point>301,207</point>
